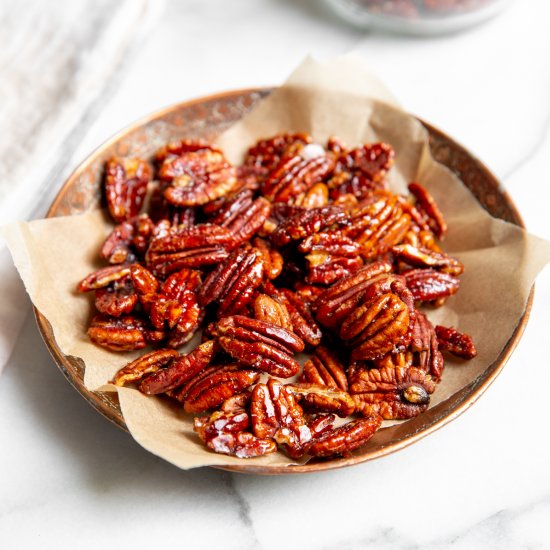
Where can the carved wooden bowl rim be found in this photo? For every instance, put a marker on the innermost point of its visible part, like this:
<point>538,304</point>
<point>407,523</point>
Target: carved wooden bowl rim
<point>475,175</point>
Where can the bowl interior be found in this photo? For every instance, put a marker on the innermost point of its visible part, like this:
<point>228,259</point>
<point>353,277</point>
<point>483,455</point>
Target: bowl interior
<point>206,118</point>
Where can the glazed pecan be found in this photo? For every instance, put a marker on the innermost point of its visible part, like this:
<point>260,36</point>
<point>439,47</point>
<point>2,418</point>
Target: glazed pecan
<point>260,345</point>
<point>427,206</point>
<point>304,223</point>
<point>425,347</point>
<point>344,439</point>
<point>274,413</point>
<point>272,311</point>
<point>128,239</point>
<point>271,258</point>
<point>124,333</point>
<point>377,224</point>
<point>237,402</point>
<point>324,368</point>
<point>119,298</point>
<point>144,365</point>
<point>320,423</point>
<point>455,342</point>
<point>267,153</point>
<point>423,257</point>
<point>103,277</point>
<point>126,182</point>
<point>316,197</point>
<point>297,174</point>
<point>224,432</point>
<point>145,283</point>
<point>321,398</point>
<point>197,246</point>
<point>393,393</point>
<point>361,170</point>
<point>213,390</point>
<point>197,177</point>
<point>233,282</point>
<point>427,285</point>
<point>339,300</point>
<point>303,323</point>
<point>182,370</point>
<point>376,327</point>
<point>178,148</point>
<point>330,257</point>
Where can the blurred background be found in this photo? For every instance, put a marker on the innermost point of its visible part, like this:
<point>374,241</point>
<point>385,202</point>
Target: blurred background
<point>72,73</point>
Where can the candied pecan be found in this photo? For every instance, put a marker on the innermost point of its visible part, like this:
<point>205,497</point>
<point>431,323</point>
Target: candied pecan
<point>145,283</point>
<point>128,239</point>
<point>197,246</point>
<point>296,174</point>
<point>427,285</point>
<point>425,348</point>
<point>344,439</point>
<point>117,299</point>
<point>339,300</point>
<point>144,365</point>
<point>426,204</point>
<point>423,257</point>
<point>126,182</point>
<point>376,327</point>
<point>182,370</point>
<point>178,148</point>
<point>455,342</point>
<point>316,197</point>
<point>330,257</point>
<point>267,153</point>
<point>212,391</point>
<point>274,413</point>
<point>306,222</point>
<point>224,433</point>
<point>361,171</point>
<point>320,423</point>
<point>233,282</point>
<point>124,333</point>
<point>321,398</point>
<point>325,369</point>
<point>378,224</point>
<point>271,258</point>
<point>393,393</point>
<point>237,402</point>
<point>272,311</point>
<point>242,215</point>
<point>260,345</point>
<point>303,323</point>
<point>103,277</point>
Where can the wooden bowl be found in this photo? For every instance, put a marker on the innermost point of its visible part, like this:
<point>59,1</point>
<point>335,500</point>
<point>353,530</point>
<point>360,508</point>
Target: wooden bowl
<point>205,118</point>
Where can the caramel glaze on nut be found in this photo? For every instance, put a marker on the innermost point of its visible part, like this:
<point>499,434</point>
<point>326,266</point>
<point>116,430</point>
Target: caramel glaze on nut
<point>301,247</point>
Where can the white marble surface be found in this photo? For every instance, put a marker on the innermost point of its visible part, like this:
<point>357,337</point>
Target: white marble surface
<point>70,477</point>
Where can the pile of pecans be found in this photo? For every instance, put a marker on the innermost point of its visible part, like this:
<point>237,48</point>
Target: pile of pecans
<point>301,248</point>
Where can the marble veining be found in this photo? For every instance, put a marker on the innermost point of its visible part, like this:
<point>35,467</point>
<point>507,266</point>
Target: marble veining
<point>482,482</point>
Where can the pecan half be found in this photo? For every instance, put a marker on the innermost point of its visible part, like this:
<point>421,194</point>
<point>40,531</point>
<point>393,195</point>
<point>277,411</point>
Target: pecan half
<point>321,398</point>
<point>426,204</point>
<point>306,222</point>
<point>272,311</point>
<point>213,390</point>
<point>103,277</point>
<point>316,197</point>
<point>455,342</point>
<point>233,282</point>
<point>128,239</point>
<point>344,439</point>
<point>393,393</point>
<point>423,257</point>
<point>144,365</point>
<point>126,182</point>
<point>119,298</point>
<point>267,153</point>
<point>427,285</point>
<point>191,247</point>
<point>261,345</point>
<point>118,334</point>
<point>271,258</point>
<point>425,347</point>
<point>224,433</point>
<point>178,148</point>
<point>324,368</point>
<point>182,370</point>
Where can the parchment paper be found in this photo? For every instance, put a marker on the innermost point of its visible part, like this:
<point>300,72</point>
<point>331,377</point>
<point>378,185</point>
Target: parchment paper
<point>335,98</point>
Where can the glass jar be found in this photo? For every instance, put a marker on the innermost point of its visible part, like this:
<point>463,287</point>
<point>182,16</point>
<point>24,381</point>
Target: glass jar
<point>418,16</point>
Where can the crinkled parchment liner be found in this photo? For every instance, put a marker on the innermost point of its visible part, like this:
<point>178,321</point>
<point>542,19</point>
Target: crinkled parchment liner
<point>334,98</point>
